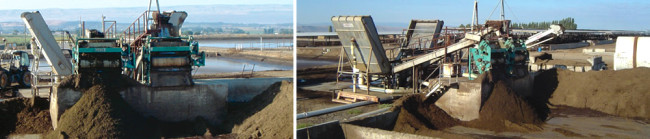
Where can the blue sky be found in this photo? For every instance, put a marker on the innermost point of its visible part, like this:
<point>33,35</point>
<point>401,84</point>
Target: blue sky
<point>589,14</point>
<point>84,4</point>
<point>125,11</point>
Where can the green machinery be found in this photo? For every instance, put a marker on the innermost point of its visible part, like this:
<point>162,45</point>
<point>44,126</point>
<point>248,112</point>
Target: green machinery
<point>161,56</point>
<point>169,57</point>
<point>95,53</point>
<point>510,56</point>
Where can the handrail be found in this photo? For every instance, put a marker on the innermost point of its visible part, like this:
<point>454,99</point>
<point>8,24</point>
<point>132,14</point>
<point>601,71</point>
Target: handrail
<point>434,70</point>
<point>136,31</point>
<point>111,30</point>
<point>137,27</point>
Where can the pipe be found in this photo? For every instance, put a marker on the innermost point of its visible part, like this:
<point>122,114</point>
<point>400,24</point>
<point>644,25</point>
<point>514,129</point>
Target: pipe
<point>331,109</point>
<point>379,89</point>
<point>358,116</point>
<point>372,112</point>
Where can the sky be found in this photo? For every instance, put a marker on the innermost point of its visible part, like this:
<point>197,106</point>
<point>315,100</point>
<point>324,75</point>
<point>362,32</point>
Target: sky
<point>85,4</point>
<point>588,14</point>
<point>123,11</point>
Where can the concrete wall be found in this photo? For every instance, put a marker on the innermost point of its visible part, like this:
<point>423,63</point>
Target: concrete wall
<point>61,100</point>
<point>201,100</point>
<point>465,102</point>
<point>359,132</point>
<point>168,104</point>
<point>328,130</point>
<point>208,99</point>
<point>380,126</point>
<point>243,89</point>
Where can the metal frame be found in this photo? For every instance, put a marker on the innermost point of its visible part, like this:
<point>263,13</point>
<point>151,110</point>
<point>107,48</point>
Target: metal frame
<point>147,50</point>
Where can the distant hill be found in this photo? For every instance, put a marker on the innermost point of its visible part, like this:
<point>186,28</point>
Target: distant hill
<point>251,17</point>
<point>261,14</point>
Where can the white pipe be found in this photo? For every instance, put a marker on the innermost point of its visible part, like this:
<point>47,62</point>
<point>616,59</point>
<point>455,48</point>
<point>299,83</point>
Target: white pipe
<point>384,90</point>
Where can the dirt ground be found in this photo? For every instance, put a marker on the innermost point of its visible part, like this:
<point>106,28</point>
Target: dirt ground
<point>315,75</point>
<point>102,113</point>
<point>268,115</point>
<point>257,74</point>
<point>321,53</point>
<point>315,99</point>
<point>558,94</point>
<point>622,93</point>
<point>19,116</point>
<point>576,57</point>
<point>309,99</point>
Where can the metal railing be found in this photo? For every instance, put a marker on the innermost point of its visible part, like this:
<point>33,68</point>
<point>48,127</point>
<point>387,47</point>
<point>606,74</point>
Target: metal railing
<point>140,26</point>
<point>244,70</point>
<point>112,30</point>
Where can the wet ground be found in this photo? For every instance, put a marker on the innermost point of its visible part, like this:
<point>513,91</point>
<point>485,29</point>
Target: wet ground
<point>307,63</point>
<point>225,64</point>
<point>247,43</point>
<point>570,122</point>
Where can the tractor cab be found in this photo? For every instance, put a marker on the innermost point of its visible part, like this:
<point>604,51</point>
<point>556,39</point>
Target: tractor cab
<point>16,71</point>
<point>20,60</point>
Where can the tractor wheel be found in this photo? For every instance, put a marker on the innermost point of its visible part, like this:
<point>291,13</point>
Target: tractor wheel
<point>4,79</point>
<point>25,79</point>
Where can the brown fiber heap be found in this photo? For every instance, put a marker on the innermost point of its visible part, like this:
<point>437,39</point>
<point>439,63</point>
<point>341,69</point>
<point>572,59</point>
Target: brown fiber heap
<point>504,110</point>
<point>622,93</point>
<point>100,112</point>
<point>268,115</point>
<point>18,116</point>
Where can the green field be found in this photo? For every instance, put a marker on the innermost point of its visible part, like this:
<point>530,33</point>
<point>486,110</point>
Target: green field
<point>21,40</point>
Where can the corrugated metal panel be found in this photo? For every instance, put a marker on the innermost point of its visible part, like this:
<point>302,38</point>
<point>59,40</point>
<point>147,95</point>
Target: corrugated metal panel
<point>624,56</point>
<point>421,33</point>
<point>360,31</point>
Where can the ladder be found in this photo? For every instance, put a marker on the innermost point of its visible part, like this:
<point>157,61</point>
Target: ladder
<point>437,89</point>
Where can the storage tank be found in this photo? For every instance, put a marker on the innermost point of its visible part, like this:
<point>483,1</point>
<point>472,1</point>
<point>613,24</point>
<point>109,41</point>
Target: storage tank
<point>632,52</point>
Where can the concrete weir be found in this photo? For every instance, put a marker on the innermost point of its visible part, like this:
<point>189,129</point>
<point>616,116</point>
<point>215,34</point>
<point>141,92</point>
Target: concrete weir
<point>372,126</point>
<point>208,99</point>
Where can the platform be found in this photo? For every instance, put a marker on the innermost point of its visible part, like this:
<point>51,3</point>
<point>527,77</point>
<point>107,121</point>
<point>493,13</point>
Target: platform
<point>347,96</point>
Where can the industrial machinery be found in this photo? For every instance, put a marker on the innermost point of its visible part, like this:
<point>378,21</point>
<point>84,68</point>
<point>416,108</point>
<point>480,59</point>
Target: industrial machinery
<point>151,50</point>
<point>161,55</point>
<point>16,70</point>
<point>503,56</point>
<point>95,52</point>
<point>510,54</point>
<point>47,44</point>
<point>489,48</point>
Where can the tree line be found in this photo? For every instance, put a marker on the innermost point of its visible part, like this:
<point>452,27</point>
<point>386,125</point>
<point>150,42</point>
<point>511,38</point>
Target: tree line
<point>568,23</point>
